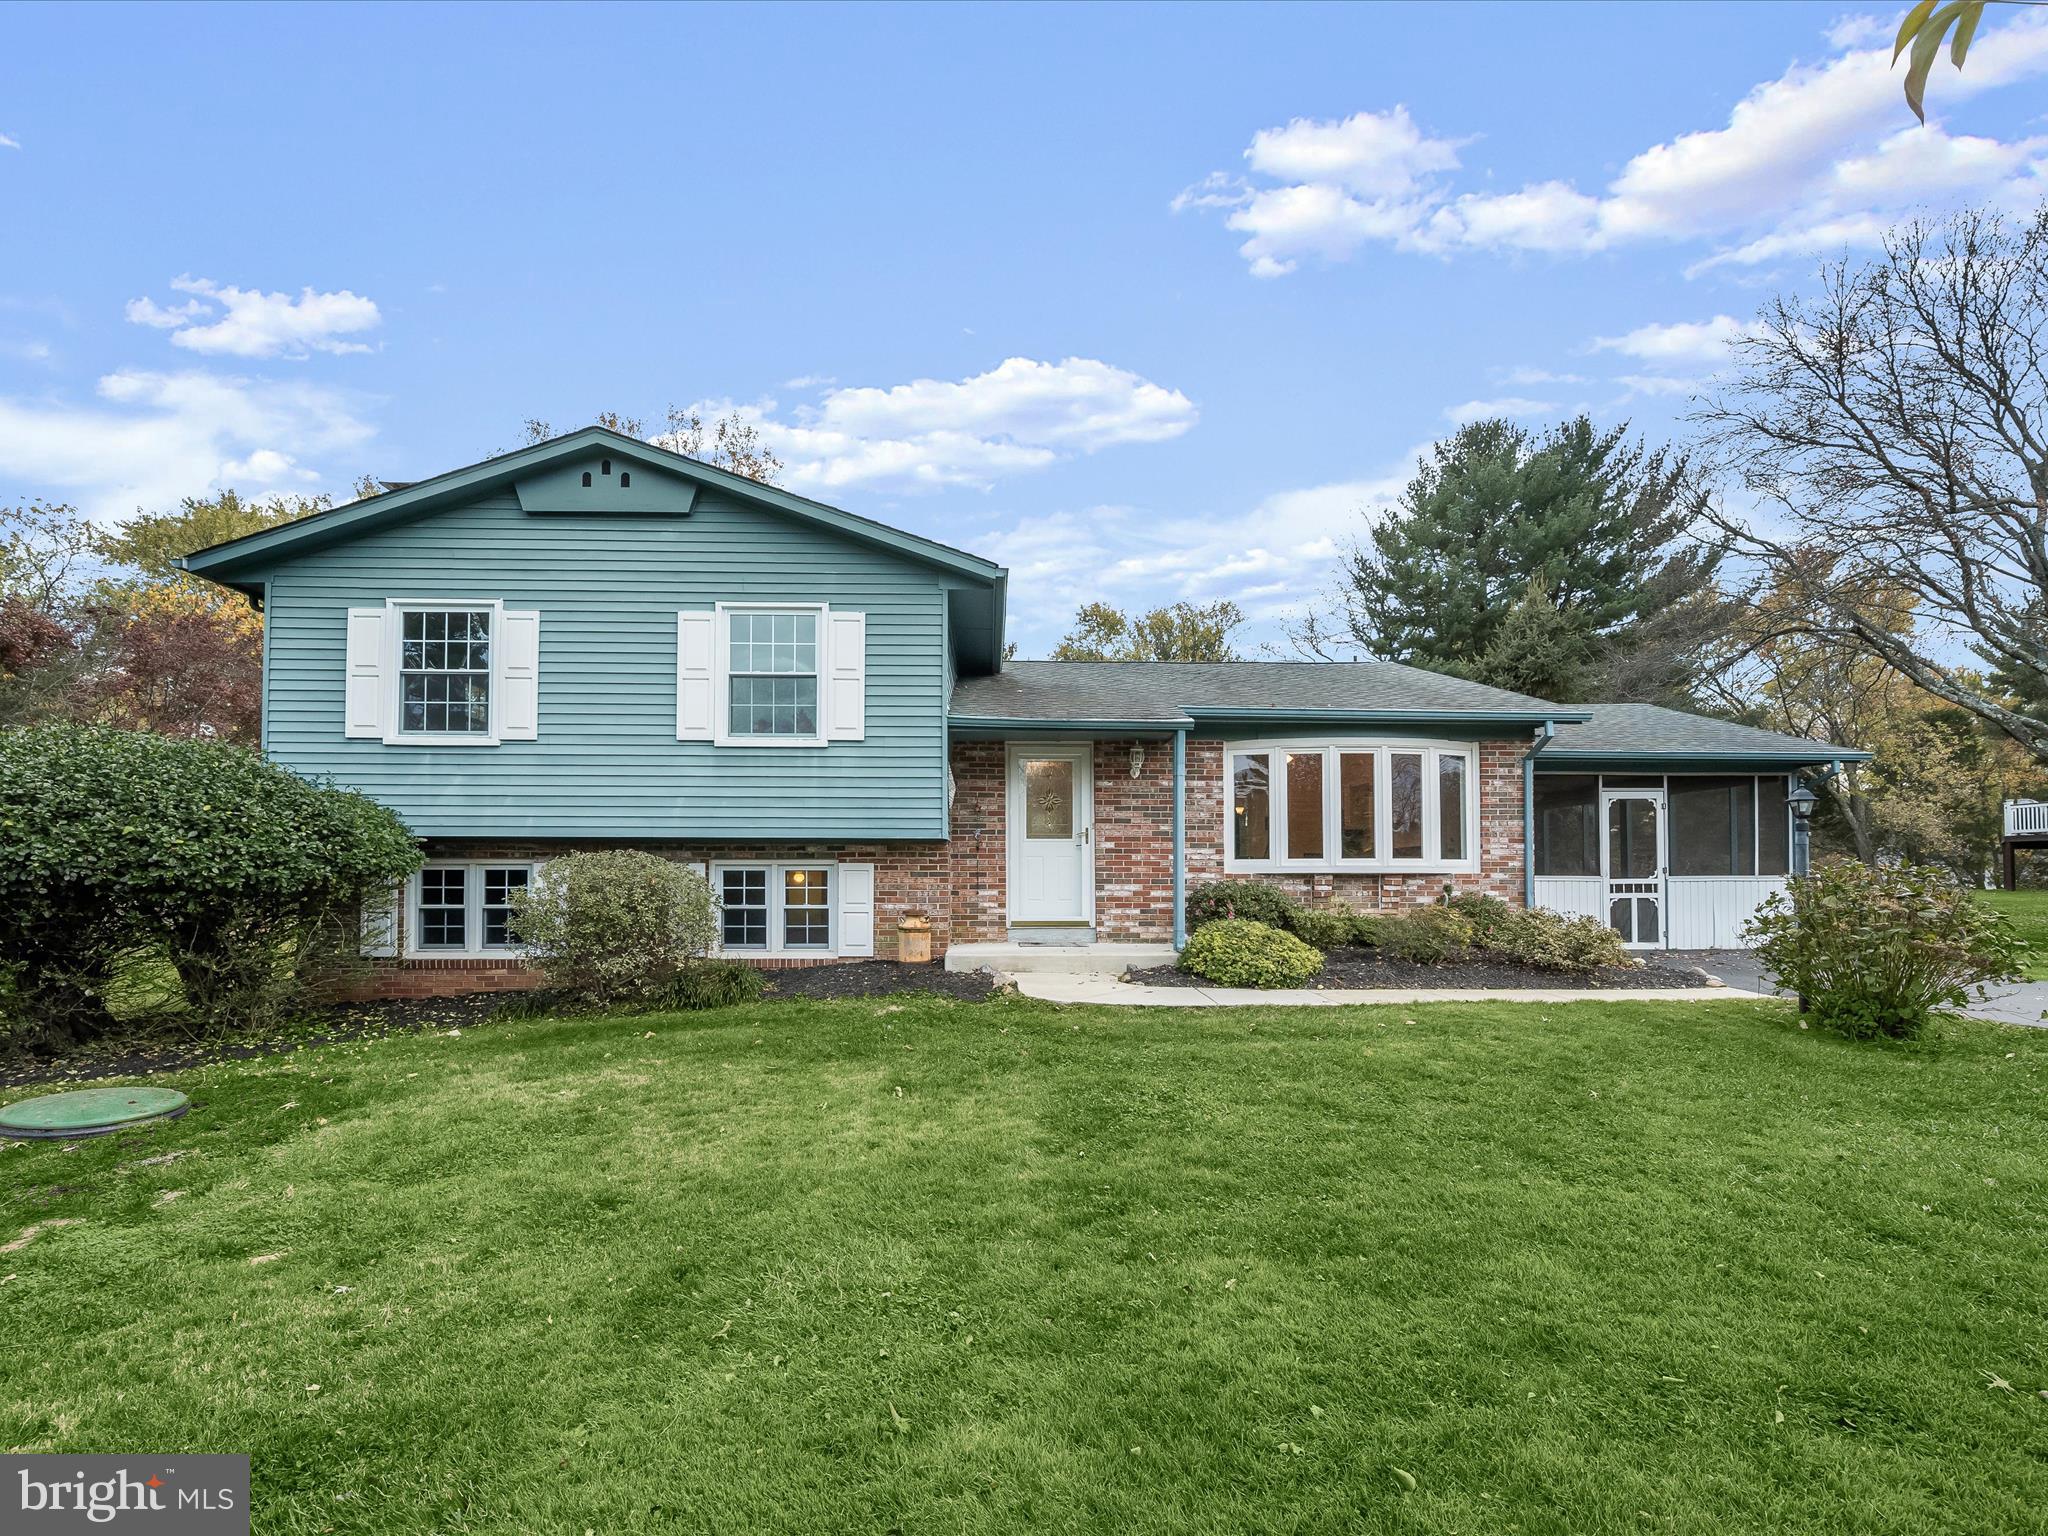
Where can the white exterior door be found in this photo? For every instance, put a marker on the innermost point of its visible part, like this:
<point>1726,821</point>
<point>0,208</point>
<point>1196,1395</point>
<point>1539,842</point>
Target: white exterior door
<point>1633,863</point>
<point>1051,836</point>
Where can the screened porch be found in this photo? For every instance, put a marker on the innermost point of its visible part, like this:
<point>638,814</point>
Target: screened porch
<point>1668,860</point>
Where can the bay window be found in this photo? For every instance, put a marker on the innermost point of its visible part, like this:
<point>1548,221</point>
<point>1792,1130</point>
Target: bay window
<point>1351,805</point>
<point>1251,816</point>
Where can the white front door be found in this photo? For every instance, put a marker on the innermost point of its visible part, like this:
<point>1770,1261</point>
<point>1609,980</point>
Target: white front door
<point>1632,863</point>
<point>1051,836</point>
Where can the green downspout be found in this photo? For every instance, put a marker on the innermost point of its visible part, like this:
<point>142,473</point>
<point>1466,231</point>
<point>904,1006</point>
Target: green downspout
<point>1543,738</point>
<point>1180,837</point>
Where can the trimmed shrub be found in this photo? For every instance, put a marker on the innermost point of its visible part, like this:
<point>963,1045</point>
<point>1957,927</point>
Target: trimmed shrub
<point>1550,941</point>
<point>1488,915</point>
<point>1221,900</point>
<point>616,925</point>
<point>713,984</point>
<point>1324,928</point>
<point>118,843</point>
<point>1426,936</point>
<point>1237,952</point>
<point>1873,951</point>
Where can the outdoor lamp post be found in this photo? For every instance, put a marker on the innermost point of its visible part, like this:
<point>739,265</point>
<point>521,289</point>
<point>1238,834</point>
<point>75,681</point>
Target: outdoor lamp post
<point>1802,800</point>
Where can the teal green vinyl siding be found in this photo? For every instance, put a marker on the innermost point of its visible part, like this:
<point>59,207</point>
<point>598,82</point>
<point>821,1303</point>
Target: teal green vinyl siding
<point>607,762</point>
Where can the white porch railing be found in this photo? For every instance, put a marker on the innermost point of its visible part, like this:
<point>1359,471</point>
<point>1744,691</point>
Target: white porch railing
<point>2026,818</point>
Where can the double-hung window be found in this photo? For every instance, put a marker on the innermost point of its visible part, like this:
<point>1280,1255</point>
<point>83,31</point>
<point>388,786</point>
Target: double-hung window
<point>1333,805</point>
<point>444,671</point>
<point>771,668</point>
<point>776,909</point>
<point>465,909</point>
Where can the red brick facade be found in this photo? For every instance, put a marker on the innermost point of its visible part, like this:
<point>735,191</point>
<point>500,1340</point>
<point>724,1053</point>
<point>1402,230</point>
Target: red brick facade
<point>908,877</point>
<point>961,885</point>
<point>1134,840</point>
<point>1500,840</point>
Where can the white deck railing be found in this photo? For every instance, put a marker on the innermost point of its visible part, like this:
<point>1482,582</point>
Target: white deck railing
<point>2026,818</point>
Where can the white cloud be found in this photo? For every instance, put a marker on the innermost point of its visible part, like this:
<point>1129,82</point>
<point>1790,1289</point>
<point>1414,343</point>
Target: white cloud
<point>246,322</point>
<point>1506,405</point>
<point>1020,415</point>
<point>1684,342</point>
<point>8,141</point>
<point>1803,160</point>
<point>26,351</point>
<point>1527,376</point>
<point>1658,384</point>
<point>1273,559</point>
<point>150,438</point>
<point>1375,155</point>
<point>1857,29</point>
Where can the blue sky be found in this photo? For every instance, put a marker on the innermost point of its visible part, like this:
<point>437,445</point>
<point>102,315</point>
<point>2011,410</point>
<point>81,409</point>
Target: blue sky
<point>1147,303</point>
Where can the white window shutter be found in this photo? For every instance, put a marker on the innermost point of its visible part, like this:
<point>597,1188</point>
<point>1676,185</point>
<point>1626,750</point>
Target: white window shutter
<point>365,691</point>
<point>846,697</point>
<point>695,675</point>
<point>856,909</point>
<point>519,676</point>
<point>380,924</point>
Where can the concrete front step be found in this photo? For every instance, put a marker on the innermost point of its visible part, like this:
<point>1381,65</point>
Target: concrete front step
<point>1057,959</point>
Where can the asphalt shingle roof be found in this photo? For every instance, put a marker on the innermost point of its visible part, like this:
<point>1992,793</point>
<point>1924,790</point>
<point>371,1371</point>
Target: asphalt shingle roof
<point>1648,730</point>
<point>1166,690</point>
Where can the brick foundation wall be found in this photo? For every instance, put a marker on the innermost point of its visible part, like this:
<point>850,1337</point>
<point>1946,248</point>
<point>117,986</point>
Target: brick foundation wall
<point>908,876</point>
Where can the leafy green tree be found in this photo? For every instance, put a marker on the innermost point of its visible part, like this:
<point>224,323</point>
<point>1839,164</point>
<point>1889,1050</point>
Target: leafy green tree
<point>112,841</point>
<point>1558,565</point>
<point>150,542</point>
<point>1179,632</point>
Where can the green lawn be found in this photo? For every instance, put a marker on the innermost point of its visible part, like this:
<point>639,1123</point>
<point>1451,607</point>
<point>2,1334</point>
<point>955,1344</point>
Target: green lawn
<point>944,1267</point>
<point>2029,913</point>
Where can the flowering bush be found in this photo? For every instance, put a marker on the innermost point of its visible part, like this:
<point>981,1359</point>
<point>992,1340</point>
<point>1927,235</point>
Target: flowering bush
<point>1873,951</point>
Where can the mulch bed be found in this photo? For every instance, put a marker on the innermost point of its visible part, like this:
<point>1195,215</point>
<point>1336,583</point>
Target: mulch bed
<point>878,978</point>
<point>1349,969</point>
<point>163,1051</point>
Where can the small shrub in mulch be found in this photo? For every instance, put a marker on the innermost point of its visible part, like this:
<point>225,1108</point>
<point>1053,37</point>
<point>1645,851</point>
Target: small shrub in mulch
<point>1239,953</point>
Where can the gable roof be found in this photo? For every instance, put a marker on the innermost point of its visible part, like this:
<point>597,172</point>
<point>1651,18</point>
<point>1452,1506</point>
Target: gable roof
<point>410,499</point>
<point>1168,694</point>
<point>1620,731</point>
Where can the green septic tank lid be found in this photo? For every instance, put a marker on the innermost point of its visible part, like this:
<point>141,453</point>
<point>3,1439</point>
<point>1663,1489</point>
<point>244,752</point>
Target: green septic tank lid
<point>91,1111</point>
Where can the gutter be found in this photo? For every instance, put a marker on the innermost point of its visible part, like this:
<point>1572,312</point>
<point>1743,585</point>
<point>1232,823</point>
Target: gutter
<point>1543,739</point>
<point>1390,716</point>
<point>1159,727</point>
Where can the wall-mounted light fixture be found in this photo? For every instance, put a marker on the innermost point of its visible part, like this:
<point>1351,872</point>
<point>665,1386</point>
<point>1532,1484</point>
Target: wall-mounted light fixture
<point>1802,800</point>
<point>1137,761</point>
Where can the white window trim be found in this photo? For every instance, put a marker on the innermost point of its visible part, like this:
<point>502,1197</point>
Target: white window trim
<point>776,869</point>
<point>721,675</point>
<point>1432,860</point>
<point>473,911</point>
<point>394,682</point>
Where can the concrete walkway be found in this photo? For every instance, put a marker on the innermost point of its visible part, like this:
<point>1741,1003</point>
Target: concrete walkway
<point>1099,988</point>
<point>2024,1002</point>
